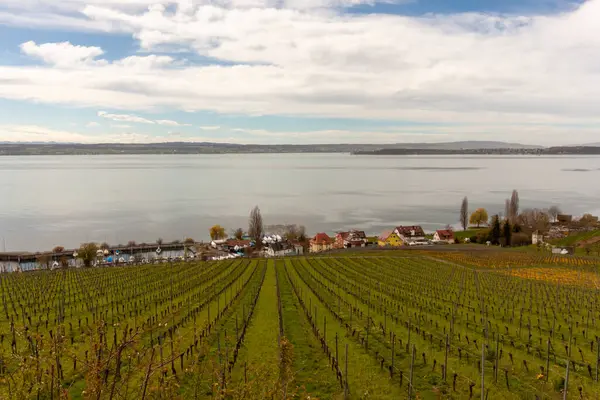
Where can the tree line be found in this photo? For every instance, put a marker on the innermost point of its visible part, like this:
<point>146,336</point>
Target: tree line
<point>513,227</point>
<point>256,230</point>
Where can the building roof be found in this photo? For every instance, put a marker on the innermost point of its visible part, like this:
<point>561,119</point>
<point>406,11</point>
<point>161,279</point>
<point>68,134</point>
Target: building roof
<point>445,234</point>
<point>385,235</point>
<point>321,238</point>
<point>279,246</point>
<point>352,235</point>
<point>410,231</point>
<point>239,243</point>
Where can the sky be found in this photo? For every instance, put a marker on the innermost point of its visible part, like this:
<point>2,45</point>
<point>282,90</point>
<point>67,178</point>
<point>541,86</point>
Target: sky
<point>300,71</point>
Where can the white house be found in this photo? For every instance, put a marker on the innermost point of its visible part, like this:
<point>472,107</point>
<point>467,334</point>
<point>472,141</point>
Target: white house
<point>217,243</point>
<point>410,234</point>
<point>537,238</point>
<point>282,250</point>
<point>444,236</point>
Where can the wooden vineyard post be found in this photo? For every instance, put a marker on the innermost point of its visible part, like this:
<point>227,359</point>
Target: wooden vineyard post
<point>597,358</point>
<point>367,341</point>
<point>497,357</point>
<point>346,388</point>
<point>408,343</point>
<point>410,376</point>
<point>548,360</point>
<point>482,370</point>
<point>393,347</point>
<point>566,381</point>
<point>336,350</point>
<point>325,329</point>
<point>446,359</point>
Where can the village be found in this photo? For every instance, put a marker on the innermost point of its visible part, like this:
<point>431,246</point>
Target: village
<point>563,234</point>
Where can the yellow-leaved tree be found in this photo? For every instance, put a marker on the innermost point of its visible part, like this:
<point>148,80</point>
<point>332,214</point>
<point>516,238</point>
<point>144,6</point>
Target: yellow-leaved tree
<point>217,232</point>
<point>480,216</point>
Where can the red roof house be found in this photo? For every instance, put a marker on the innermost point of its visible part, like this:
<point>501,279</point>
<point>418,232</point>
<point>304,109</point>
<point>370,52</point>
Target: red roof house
<point>444,235</point>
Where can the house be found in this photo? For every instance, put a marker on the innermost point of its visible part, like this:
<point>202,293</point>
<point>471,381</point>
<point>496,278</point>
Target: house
<point>281,249</point>
<point>537,238</point>
<point>298,246</point>
<point>444,235</point>
<point>353,238</point>
<point>564,219</point>
<point>410,234</point>
<point>217,243</point>
<point>235,245</point>
<point>321,242</point>
<point>389,239</point>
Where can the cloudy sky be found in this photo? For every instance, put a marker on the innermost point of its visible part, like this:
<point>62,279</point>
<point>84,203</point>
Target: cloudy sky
<point>300,71</point>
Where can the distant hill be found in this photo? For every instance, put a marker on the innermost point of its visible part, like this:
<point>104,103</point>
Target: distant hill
<point>466,145</point>
<point>225,148</point>
<point>550,151</point>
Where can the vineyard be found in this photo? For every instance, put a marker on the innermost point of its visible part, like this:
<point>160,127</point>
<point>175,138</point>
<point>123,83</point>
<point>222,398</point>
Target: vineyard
<point>395,326</point>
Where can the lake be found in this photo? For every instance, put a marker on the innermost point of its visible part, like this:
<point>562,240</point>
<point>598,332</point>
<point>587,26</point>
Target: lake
<point>66,200</point>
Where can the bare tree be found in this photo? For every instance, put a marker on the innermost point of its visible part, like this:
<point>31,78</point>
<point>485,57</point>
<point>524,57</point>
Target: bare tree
<point>87,253</point>
<point>302,233</point>
<point>554,212</point>
<point>238,234</point>
<point>534,219</point>
<point>507,209</point>
<point>44,260</point>
<point>255,225</point>
<point>514,206</point>
<point>464,214</point>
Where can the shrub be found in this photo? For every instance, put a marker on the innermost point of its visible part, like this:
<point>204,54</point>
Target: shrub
<point>521,239</point>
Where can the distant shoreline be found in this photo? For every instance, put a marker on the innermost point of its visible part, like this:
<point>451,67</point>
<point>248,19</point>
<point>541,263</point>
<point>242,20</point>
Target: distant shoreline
<point>551,151</point>
<point>193,148</point>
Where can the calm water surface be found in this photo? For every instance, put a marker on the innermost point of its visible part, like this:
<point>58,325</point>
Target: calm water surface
<point>55,200</point>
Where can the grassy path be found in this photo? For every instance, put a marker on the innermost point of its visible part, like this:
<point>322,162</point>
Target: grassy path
<point>259,356</point>
<point>312,373</point>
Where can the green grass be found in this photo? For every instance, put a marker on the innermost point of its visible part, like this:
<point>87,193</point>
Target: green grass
<point>462,235</point>
<point>311,368</point>
<point>576,238</point>
<point>405,295</point>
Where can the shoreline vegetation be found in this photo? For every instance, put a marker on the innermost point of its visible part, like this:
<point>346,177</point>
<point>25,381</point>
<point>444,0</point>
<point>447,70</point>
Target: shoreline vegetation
<point>451,148</point>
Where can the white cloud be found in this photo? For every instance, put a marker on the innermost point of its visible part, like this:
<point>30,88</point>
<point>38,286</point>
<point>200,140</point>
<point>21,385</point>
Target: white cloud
<point>35,133</point>
<point>168,122</point>
<point>138,119</point>
<point>120,126</point>
<point>92,124</point>
<point>147,62</point>
<point>63,54</point>
<point>124,118</point>
<point>210,128</point>
<point>469,68</point>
